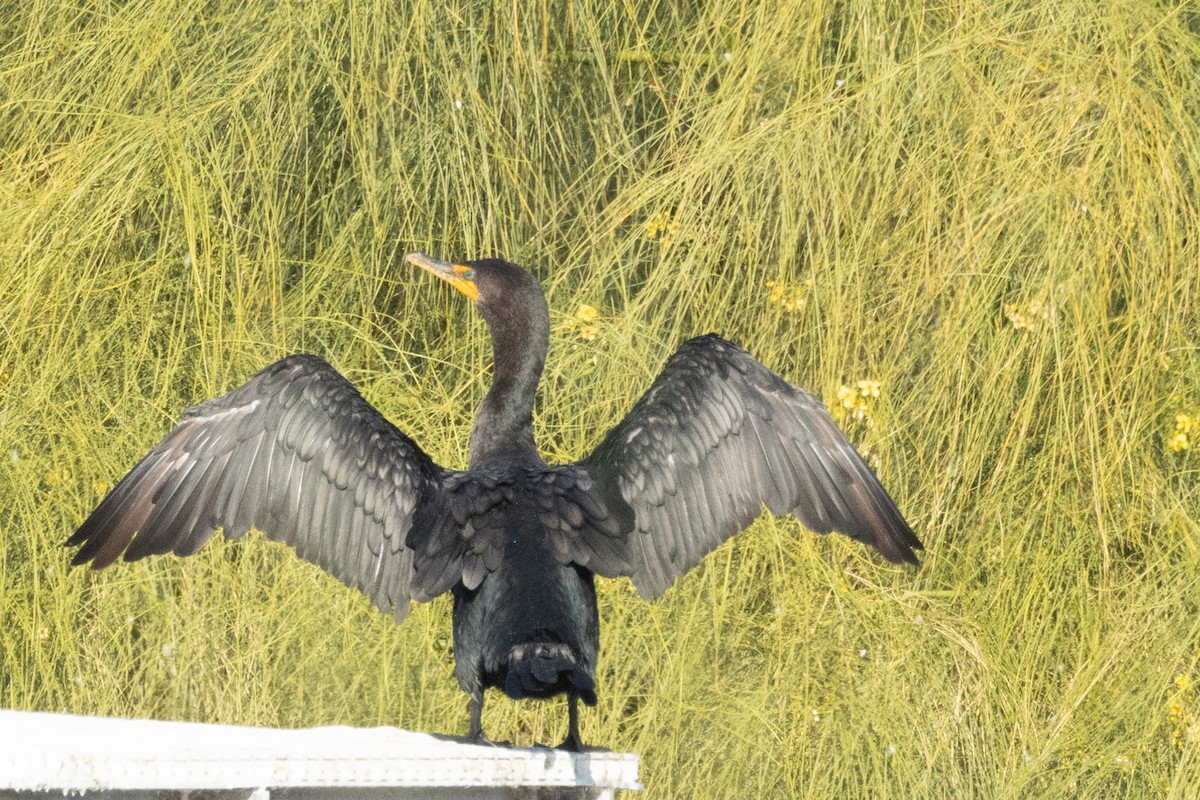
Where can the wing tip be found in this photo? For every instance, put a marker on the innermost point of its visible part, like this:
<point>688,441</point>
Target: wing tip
<point>899,544</point>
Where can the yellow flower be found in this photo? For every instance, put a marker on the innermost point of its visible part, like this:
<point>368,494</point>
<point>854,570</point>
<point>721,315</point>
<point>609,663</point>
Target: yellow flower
<point>1015,316</point>
<point>1181,440</point>
<point>1182,711</point>
<point>788,298</point>
<point>1028,317</point>
<point>662,226</point>
<point>57,476</point>
<point>868,389</point>
<point>582,322</point>
<point>856,400</point>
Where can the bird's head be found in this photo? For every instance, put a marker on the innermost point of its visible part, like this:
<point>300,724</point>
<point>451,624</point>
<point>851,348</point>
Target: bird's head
<point>493,284</point>
<point>512,304</point>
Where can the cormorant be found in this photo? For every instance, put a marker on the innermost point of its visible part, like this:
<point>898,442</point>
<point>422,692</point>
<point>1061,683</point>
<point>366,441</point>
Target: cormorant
<point>297,453</point>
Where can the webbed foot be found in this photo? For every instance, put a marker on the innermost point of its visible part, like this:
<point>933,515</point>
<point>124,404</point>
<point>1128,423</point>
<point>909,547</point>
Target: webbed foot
<point>479,738</point>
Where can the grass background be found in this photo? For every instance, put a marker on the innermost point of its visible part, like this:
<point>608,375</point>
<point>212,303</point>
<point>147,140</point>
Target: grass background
<point>189,191</point>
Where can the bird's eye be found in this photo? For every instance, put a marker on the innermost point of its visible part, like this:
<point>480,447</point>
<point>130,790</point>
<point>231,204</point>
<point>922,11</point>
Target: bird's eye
<point>469,274</point>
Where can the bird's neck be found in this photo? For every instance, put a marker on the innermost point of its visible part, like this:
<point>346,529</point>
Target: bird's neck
<point>504,423</point>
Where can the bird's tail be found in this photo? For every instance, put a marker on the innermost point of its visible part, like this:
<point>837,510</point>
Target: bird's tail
<point>541,669</point>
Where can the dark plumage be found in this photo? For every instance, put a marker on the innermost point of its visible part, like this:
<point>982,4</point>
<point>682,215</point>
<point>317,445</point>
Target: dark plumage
<point>297,453</point>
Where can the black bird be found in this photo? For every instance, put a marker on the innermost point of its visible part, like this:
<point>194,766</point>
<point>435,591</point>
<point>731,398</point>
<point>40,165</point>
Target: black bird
<point>297,453</point>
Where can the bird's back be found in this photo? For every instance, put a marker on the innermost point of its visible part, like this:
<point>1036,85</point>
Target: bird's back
<point>531,626</point>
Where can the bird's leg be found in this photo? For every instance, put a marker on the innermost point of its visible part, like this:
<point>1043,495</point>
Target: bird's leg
<point>475,730</point>
<point>572,742</point>
<point>475,709</point>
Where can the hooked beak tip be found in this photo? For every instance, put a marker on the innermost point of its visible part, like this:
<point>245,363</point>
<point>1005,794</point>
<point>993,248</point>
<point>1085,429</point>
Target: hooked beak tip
<point>459,276</point>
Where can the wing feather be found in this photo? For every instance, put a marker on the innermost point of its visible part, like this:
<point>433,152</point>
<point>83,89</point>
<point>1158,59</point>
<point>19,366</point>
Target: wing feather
<point>714,439</point>
<point>297,453</point>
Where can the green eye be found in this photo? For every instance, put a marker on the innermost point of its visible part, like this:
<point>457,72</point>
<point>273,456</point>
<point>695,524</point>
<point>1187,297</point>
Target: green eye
<point>469,274</point>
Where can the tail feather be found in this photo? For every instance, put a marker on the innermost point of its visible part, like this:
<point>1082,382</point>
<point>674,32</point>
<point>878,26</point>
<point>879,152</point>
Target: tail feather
<point>545,668</point>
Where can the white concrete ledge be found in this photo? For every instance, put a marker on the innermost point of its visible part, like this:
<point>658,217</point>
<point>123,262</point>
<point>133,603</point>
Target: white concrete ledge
<point>127,759</point>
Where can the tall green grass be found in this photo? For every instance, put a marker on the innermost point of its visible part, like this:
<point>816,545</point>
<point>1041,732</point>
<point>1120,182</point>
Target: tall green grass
<point>188,192</point>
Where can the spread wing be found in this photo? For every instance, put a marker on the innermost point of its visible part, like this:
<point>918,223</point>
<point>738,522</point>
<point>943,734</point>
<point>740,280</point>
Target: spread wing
<point>718,436</point>
<point>297,453</point>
